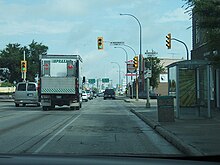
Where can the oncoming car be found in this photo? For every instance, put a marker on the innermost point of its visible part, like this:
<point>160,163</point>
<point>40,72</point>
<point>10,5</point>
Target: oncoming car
<point>26,93</point>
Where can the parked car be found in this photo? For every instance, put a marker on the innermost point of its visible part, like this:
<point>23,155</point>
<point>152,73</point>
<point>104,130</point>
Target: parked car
<point>109,93</point>
<point>26,93</point>
<point>85,96</point>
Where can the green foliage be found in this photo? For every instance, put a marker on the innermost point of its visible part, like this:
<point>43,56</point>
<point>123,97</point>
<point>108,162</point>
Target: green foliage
<point>10,58</point>
<point>33,58</point>
<point>207,15</point>
<point>7,84</point>
<point>157,69</point>
<point>12,55</point>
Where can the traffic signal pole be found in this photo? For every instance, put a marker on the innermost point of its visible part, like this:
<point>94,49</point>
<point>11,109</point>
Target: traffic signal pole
<point>24,74</point>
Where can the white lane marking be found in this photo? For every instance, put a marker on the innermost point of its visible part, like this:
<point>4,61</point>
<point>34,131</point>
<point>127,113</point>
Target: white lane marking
<point>49,140</point>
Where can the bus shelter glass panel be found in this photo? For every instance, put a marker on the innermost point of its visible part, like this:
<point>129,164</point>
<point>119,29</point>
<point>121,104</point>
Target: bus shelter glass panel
<point>187,87</point>
<point>172,81</point>
<point>203,88</point>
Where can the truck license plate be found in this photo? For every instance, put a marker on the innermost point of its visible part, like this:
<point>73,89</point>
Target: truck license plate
<point>59,97</point>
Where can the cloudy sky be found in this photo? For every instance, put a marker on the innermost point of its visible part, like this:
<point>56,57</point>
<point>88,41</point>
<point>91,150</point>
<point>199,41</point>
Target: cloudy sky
<point>72,27</point>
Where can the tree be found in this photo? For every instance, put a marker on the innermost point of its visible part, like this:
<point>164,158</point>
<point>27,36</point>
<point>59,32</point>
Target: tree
<point>36,49</point>
<point>157,68</point>
<point>207,15</point>
<point>4,74</point>
<point>10,58</point>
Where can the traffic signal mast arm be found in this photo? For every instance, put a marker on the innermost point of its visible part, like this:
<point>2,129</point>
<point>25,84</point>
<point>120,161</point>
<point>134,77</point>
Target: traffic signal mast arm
<point>187,50</point>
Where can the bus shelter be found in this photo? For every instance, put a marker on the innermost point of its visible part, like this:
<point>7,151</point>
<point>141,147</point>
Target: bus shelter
<point>189,83</point>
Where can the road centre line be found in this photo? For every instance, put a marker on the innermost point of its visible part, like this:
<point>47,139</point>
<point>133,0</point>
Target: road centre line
<point>50,139</point>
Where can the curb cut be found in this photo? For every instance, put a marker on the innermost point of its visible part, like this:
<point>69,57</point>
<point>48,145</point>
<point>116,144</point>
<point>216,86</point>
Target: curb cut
<point>170,137</point>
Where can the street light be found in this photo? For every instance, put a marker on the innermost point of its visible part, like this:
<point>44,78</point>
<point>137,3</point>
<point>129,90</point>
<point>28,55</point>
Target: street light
<point>131,76</point>
<point>140,38</point>
<point>140,59</point>
<point>131,49</point>
<point>119,74</point>
<point>126,61</point>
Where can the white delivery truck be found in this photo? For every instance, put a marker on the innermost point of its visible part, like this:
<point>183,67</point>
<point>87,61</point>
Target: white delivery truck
<point>60,81</point>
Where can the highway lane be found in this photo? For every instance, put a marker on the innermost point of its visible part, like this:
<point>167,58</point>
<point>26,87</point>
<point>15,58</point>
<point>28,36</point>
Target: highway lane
<point>100,127</point>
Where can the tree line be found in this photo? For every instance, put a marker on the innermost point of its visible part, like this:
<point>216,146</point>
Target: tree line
<point>12,55</point>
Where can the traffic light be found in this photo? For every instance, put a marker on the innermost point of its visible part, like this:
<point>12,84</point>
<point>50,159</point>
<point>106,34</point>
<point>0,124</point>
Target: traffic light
<point>100,43</point>
<point>168,40</point>
<point>23,66</point>
<point>135,62</point>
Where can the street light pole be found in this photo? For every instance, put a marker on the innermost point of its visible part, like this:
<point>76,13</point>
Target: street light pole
<point>132,76</point>
<point>141,69</point>
<point>119,73</point>
<point>131,49</point>
<point>125,63</point>
<point>140,58</point>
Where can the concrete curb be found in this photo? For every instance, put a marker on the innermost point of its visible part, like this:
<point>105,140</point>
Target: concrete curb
<point>170,137</point>
<point>6,100</point>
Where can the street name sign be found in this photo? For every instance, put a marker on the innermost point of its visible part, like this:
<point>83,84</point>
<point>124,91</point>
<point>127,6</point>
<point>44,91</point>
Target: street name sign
<point>117,43</point>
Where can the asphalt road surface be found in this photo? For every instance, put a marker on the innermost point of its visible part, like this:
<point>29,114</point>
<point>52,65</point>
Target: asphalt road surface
<point>101,127</point>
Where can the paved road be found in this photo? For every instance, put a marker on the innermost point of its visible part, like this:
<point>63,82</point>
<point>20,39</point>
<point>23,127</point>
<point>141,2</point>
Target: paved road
<point>100,127</point>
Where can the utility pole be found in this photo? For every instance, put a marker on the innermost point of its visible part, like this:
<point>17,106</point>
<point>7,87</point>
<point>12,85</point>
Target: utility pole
<point>148,72</point>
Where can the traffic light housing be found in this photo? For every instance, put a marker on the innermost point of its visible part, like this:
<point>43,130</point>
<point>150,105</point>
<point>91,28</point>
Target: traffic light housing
<point>135,62</point>
<point>168,40</point>
<point>100,43</point>
<point>23,66</point>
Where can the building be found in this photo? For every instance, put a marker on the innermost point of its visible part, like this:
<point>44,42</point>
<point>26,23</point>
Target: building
<point>162,88</point>
<point>202,50</point>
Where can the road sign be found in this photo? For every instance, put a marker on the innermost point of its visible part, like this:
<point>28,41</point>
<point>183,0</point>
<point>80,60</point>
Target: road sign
<point>131,68</point>
<point>91,81</point>
<point>147,73</point>
<point>117,43</point>
<point>105,80</point>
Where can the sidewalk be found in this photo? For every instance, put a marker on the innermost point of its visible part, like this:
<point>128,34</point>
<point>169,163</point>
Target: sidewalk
<point>193,135</point>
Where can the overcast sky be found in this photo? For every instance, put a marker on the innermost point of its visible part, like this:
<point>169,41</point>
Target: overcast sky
<point>72,27</point>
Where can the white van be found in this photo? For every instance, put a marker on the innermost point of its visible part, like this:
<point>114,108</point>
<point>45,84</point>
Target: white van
<point>26,93</point>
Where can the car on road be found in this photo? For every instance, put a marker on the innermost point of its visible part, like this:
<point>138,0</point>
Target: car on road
<point>26,93</point>
<point>109,93</point>
<point>100,94</point>
<point>90,94</point>
<point>84,96</point>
